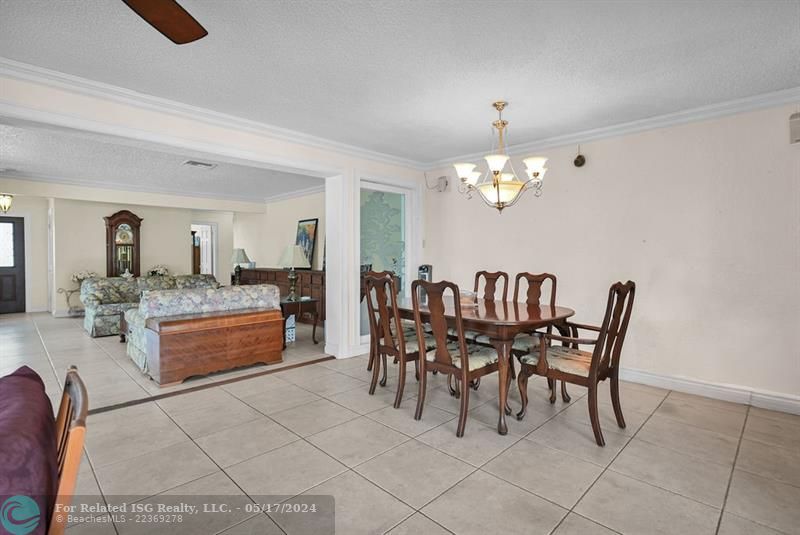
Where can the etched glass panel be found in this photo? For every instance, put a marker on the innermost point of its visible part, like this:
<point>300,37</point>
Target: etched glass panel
<point>6,244</point>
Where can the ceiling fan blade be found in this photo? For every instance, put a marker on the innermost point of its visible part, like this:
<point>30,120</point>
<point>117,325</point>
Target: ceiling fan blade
<point>169,18</point>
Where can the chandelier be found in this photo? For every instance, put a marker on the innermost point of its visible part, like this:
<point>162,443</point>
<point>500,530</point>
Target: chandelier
<point>5,202</point>
<point>498,188</point>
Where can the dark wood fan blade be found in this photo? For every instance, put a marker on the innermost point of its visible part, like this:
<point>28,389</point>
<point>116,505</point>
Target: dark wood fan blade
<point>169,18</point>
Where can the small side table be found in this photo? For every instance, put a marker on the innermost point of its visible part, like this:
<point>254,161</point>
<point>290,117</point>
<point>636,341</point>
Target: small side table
<point>306,306</point>
<point>123,328</point>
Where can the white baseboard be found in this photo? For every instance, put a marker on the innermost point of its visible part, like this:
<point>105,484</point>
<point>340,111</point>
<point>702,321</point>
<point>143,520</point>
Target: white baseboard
<point>734,393</point>
<point>35,310</point>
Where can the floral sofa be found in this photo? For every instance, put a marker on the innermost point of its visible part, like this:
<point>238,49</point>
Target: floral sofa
<point>167,303</point>
<point>104,298</point>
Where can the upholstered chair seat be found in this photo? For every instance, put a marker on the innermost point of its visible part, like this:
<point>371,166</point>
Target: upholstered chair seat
<point>412,343</point>
<point>563,359</point>
<point>479,356</point>
<point>525,342</point>
<point>470,336</point>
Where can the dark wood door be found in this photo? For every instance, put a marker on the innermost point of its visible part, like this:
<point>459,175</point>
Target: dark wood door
<point>12,265</point>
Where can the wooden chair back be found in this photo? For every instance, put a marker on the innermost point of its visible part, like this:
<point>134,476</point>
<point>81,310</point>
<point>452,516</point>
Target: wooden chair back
<point>436,296</point>
<point>70,434</point>
<point>535,284</point>
<point>384,317</point>
<point>614,328</point>
<point>490,281</point>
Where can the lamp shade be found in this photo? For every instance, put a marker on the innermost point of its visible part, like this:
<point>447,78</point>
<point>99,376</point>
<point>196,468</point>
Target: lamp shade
<point>5,202</point>
<point>239,257</point>
<point>294,257</point>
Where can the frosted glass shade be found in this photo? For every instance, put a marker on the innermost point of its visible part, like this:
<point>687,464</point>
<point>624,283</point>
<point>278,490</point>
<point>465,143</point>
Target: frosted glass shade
<point>507,177</point>
<point>5,202</point>
<point>294,257</point>
<point>535,163</point>
<point>463,170</point>
<point>496,162</point>
<point>473,177</point>
<point>530,172</point>
<point>504,193</point>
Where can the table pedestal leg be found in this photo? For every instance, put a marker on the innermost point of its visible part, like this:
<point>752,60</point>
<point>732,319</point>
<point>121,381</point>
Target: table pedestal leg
<point>503,348</point>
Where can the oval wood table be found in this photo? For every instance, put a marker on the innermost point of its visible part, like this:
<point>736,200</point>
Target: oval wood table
<point>501,321</point>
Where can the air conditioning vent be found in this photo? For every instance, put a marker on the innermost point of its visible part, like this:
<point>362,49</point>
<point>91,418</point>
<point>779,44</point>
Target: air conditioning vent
<point>794,128</point>
<point>199,164</point>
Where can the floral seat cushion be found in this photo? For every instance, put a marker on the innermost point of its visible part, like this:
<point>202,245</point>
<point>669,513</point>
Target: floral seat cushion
<point>412,343</point>
<point>113,309</point>
<point>526,342</point>
<point>479,356</point>
<point>563,359</point>
<point>195,281</point>
<point>469,336</point>
<point>156,282</point>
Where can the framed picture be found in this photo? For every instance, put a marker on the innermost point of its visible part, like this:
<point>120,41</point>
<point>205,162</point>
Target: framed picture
<point>307,237</point>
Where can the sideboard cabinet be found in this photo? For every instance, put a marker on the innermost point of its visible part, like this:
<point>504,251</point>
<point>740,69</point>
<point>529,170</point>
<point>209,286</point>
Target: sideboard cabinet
<point>310,283</point>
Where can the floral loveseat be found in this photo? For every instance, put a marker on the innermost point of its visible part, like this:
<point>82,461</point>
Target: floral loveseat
<point>168,303</point>
<point>104,298</point>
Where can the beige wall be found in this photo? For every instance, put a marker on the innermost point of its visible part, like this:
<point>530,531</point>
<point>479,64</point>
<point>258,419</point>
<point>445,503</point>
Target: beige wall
<point>80,239</point>
<point>703,217</point>
<point>265,236</point>
<point>34,210</point>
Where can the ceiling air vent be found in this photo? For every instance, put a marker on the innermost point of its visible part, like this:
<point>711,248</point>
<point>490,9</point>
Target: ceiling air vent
<point>794,128</point>
<point>199,164</point>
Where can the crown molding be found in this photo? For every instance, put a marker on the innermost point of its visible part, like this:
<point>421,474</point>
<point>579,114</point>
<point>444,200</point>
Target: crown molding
<point>144,189</point>
<point>84,86</point>
<point>294,194</point>
<point>756,102</point>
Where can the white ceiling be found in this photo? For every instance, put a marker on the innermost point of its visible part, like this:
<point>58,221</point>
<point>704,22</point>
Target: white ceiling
<point>414,79</point>
<point>94,160</point>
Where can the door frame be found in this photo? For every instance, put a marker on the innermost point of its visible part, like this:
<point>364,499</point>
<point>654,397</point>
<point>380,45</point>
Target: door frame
<point>26,257</point>
<point>413,232</point>
<point>214,244</point>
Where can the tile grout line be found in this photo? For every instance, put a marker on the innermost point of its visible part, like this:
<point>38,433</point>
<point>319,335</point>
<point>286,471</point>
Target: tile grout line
<point>589,488</point>
<point>733,469</point>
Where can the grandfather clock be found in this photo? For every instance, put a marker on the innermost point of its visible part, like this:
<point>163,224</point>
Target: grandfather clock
<point>122,243</point>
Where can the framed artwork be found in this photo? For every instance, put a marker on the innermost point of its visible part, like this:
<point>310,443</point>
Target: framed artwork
<point>307,237</point>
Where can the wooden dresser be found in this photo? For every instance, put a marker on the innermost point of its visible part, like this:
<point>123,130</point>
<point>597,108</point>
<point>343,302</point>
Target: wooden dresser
<point>309,283</point>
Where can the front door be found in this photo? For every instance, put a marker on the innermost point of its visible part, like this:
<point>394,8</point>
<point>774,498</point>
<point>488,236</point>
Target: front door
<point>12,265</point>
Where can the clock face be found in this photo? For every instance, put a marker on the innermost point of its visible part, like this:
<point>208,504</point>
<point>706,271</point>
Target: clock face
<point>124,236</point>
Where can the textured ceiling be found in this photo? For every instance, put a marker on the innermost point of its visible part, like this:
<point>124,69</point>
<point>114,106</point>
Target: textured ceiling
<point>92,160</point>
<point>415,78</point>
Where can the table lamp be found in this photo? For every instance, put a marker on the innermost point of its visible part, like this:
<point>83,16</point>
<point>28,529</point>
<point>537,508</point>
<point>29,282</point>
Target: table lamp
<point>237,258</point>
<point>294,256</point>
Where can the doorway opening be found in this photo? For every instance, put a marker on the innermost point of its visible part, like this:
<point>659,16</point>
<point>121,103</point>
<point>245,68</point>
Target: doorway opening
<point>12,265</point>
<point>204,248</point>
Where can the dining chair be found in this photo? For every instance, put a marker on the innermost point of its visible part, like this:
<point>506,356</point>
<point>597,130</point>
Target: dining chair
<point>568,363</point>
<point>533,284</point>
<point>390,336</point>
<point>455,358</point>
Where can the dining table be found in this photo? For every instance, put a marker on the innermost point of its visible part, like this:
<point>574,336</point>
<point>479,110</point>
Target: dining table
<point>501,321</point>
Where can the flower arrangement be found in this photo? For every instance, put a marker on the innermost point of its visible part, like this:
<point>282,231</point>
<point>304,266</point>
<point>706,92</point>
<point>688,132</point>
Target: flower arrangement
<point>79,276</point>
<point>159,270</point>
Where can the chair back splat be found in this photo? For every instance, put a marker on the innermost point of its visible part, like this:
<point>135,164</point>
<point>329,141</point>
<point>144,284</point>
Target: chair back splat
<point>490,282</point>
<point>435,292</point>
<point>615,326</point>
<point>535,285</point>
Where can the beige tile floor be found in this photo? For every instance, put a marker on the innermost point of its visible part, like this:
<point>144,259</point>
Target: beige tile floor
<point>683,465</point>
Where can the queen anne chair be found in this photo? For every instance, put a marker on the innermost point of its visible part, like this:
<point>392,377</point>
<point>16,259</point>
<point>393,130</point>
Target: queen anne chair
<point>568,363</point>
<point>389,335</point>
<point>524,343</point>
<point>456,358</point>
